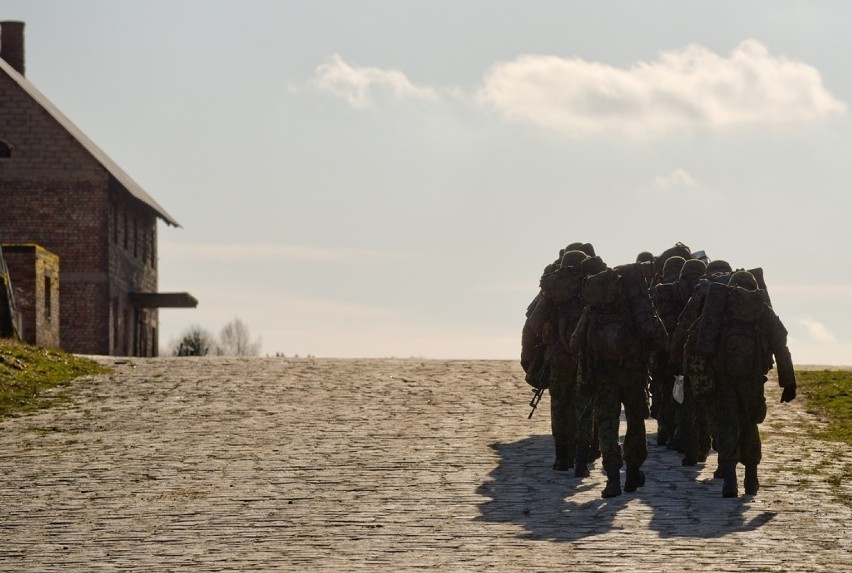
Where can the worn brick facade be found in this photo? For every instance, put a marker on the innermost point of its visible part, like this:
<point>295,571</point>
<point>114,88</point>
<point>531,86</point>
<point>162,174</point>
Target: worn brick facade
<point>55,193</point>
<point>35,271</point>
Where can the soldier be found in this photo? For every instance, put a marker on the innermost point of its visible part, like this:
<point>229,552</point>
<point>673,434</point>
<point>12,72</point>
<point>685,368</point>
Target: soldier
<point>742,334</point>
<point>584,247</point>
<point>678,250</point>
<point>562,289</point>
<point>645,257</point>
<point>697,370</point>
<point>669,306</point>
<point>532,347</point>
<point>612,361</point>
<point>551,318</point>
<point>693,421</point>
<point>718,266</point>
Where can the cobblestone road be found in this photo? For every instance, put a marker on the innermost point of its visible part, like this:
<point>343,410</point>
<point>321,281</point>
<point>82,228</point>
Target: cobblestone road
<point>271,464</point>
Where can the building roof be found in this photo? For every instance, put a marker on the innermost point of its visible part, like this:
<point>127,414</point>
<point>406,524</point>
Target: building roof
<point>97,153</point>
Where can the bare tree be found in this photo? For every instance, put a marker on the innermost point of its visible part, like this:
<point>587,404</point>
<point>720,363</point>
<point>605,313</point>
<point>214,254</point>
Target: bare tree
<point>234,340</point>
<point>195,341</point>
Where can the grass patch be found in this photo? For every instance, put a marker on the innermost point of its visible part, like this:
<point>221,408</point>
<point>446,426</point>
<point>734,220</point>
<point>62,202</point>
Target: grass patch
<point>27,372</point>
<point>829,395</point>
<point>829,392</point>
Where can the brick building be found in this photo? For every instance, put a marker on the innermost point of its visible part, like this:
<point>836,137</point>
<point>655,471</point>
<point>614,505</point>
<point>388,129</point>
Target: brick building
<point>36,286</point>
<point>60,191</point>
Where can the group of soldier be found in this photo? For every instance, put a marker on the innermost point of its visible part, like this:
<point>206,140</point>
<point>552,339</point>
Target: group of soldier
<point>677,337</point>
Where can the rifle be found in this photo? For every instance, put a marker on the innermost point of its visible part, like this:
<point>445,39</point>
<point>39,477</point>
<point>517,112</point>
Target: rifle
<point>539,392</point>
<point>542,379</point>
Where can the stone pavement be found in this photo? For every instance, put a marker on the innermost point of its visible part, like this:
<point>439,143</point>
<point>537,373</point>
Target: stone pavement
<point>273,464</point>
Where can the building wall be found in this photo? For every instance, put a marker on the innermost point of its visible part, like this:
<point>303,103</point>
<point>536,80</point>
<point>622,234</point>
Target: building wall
<point>54,193</point>
<point>133,268</point>
<point>34,272</point>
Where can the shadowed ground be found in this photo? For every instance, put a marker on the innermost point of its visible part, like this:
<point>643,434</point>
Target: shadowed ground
<point>222,464</point>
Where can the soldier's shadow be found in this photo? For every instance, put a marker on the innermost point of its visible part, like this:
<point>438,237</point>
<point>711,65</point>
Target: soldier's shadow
<point>556,506</point>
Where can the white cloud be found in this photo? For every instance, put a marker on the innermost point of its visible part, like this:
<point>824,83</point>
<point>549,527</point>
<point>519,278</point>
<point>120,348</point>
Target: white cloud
<point>817,331</point>
<point>693,88</point>
<point>224,253</point>
<point>362,87</point>
<point>677,179</point>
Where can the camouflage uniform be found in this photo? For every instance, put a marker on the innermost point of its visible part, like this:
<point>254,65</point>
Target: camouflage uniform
<point>613,365</point>
<point>740,404</point>
<point>563,416</point>
<point>561,308</point>
<point>621,383</point>
<point>693,421</point>
<point>696,413</point>
<point>669,306</point>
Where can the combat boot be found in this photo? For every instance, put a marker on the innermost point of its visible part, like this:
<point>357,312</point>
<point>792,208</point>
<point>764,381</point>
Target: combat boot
<point>613,482</point>
<point>580,467</point>
<point>662,435</point>
<point>750,482</point>
<point>563,461</point>
<point>594,452</point>
<point>635,479</point>
<point>690,457</point>
<point>729,474</point>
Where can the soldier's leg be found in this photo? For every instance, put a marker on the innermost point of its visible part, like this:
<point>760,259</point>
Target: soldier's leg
<point>702,421</point>
<point>607,410</point>
<point>635,409</point>
<point>585,434</point>
<point>750,455</point>
<point>595,452</point>
<point>676,441</point>
<point>657,375</point>
<point>752,412</point>
<point>563,418</point>
<point>727,425</point>
<point>701,381</point>
<point>607,414</point>
<point>688,425</point>
<point>668,414</point>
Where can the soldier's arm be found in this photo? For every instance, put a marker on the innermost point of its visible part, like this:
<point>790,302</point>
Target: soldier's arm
<point>541,314</point>
<point>532,304</point>
<point>578,337</point>
<point>777,336</point>
<point>687,318</point>
<point>565,332</point>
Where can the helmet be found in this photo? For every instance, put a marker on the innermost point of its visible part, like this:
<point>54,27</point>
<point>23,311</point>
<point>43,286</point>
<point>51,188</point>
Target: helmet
<point>678,250</point>
<point>592,266</point>
<point>645,257</point>
<point>585,247</point>
<point>718,266</point>
<point>692,268</point>
<point>743,279</point>
<point>671,269</point>
<point>573,258</point>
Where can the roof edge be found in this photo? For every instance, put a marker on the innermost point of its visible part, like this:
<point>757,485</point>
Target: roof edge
<point>131,186</point>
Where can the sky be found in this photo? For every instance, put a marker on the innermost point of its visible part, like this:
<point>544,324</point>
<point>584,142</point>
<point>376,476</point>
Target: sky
<point>383,178</point>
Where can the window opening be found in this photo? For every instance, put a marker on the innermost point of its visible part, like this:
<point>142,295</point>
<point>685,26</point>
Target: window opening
<point>47,301</point>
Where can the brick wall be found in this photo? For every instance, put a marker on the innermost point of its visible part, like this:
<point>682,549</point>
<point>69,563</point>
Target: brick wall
<point>54,193</point>
<point>34,272</point>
